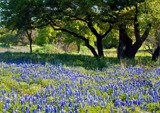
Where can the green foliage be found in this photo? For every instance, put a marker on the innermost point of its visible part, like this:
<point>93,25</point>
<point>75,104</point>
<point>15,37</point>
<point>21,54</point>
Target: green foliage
<point>9,39</point>
<point>152,15</point>
<point>96,109</point>
<point>47,48</point>
<point>46,35</point>
<point>19,14</point>
<point>81,29</point>
<point>88,19</point>
<point>111,40</point>
<point>153,107</point>
<point>121,4</point>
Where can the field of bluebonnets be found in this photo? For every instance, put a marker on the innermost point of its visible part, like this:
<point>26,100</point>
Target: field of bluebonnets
<point>39,87</point>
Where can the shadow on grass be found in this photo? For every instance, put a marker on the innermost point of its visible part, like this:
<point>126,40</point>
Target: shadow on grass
<point>88,62</point>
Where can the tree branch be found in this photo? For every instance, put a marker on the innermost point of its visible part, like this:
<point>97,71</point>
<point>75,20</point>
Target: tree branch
<point>41,25</point>
<point>53,25</point>
<point>110,28</point>
<point>72,33</point>
<point>146,33</point>
<point>77,18</point>
<point>93,30</point>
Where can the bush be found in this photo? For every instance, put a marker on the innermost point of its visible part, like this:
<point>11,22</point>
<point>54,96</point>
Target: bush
<point>9,39</point>
<point>45,36</point>
<point>47,48</point>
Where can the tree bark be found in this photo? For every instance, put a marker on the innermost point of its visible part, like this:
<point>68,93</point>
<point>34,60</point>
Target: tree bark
<point>78,48</point>
<point>125,48</point>
<point>156,53</point>
<point>91,48</point>
<point>29,35</point>
<point>134,49</point>
<point>125,43</point>
<point>100,47</point>
<point>30,45</point>
<point>139,41</point>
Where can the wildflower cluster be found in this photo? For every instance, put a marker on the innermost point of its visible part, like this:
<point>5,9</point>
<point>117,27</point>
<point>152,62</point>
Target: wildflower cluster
<point>37,88</point>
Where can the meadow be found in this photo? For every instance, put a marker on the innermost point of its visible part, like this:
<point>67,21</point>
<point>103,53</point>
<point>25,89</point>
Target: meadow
<point>70,83</point>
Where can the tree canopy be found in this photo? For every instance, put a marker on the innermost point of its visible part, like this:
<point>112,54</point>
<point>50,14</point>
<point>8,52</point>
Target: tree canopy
<point>90,21</point>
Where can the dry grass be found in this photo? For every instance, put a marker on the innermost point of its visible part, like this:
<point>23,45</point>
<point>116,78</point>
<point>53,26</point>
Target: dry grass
<point>14,49</point>
<point>84,51</point>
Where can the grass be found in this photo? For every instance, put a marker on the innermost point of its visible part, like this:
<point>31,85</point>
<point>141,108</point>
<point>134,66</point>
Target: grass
<point>85,61</point>
<point>53,55</point>
<point>73,60</point>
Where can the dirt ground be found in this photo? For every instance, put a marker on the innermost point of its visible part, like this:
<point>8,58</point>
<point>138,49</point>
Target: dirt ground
<point>14,49</point>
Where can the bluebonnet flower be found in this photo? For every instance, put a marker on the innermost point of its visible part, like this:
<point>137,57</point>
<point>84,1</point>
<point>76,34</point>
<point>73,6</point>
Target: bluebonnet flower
<point>3,92</point>
<point>117,104</point>
<point>47,109</point>
<point>64,93</point>
<point>70,104</point>
<point>76,109</point>
<point>55,109</point>
<point>81,82</point>
<point>27,110</point>
<point>34,111</point>
<point>22,109</point>
<point>95,102</point>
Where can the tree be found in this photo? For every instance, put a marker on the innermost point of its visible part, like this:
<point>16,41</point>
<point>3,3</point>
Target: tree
<point>20,15</point>
<point>79,19</point>
<point>94,15</point>
<point>128,14</point>
<point>87,20</point>
<point>152,15</point>
<point>155,17</point>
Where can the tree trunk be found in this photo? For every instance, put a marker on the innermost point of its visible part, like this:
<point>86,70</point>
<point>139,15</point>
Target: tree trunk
<point>156,53</point>
<point>78,48</point>
<point>98,41</point>
<point>29,35</point>
<point>139,41</point>
<point>134,49</point>
<point>100,47</point>
<point>121,50</point>
<point>126,49</point>
<point>92,29</point>
<point>30,44</point>
<point>125,43</point>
